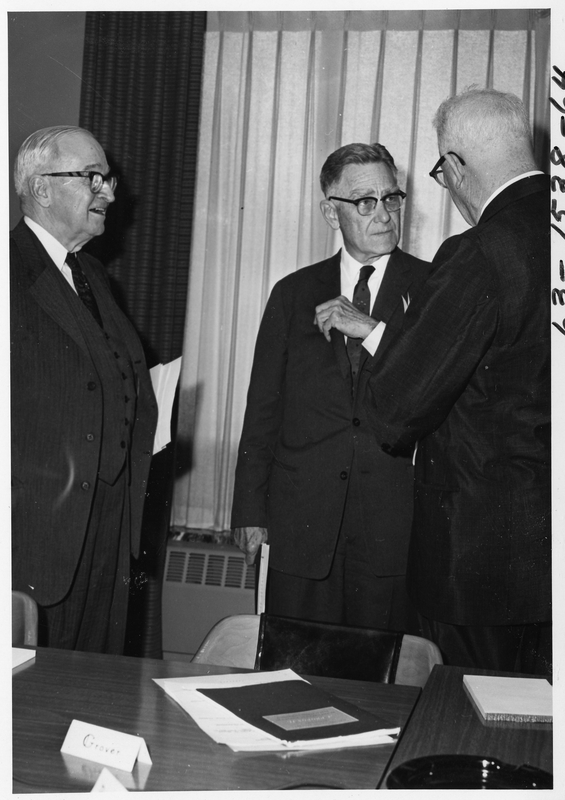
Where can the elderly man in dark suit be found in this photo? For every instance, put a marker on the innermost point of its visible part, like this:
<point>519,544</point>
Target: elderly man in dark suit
<point>469,380</point>
<point>83,409</point>
<point>311,478</point>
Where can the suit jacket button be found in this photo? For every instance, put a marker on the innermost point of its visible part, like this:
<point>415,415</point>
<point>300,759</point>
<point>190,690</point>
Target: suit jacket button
<point>91,386</point>
<point>343,475</point>
<point>356,422</point>
<point>85,486</point>
<point>89,437</point>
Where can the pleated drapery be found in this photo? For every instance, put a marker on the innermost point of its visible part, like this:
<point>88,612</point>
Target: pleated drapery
<point>282,90</point>
<point>141,100</point>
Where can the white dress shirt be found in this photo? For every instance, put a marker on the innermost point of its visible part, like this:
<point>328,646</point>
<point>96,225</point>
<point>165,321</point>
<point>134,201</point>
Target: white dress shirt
<point>349,272</point>
<point>54,248</point>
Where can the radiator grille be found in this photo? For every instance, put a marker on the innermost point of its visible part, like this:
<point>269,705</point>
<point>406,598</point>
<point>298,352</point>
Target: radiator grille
<point>215,571</point>
<point>208,569</point>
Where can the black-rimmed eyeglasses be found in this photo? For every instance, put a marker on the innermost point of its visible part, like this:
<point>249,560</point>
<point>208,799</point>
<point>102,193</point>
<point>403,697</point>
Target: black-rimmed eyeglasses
<point>367,205</point>
<point>437,172</point>
<point>97,180</point>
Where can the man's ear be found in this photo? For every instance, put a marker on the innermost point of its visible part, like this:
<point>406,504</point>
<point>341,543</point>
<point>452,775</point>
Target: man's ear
<point>329,213</point>
<point>39,190</point>
<point>456,168</point>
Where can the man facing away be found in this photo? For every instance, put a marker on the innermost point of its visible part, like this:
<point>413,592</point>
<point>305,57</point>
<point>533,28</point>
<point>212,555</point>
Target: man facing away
<point>311,478</point>
<point>83,410</point>
<point>469,380</point>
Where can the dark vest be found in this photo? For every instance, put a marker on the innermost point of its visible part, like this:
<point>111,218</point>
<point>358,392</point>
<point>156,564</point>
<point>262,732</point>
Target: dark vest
<point>112,362</point>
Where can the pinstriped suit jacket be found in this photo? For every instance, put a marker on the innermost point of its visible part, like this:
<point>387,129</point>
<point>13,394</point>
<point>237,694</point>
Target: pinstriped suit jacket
<point>56,402</point>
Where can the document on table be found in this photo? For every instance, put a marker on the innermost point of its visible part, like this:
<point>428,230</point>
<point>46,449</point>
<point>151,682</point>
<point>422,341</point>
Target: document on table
<point>225,727</point>
<point>164,378</point>
<point>20,655</point>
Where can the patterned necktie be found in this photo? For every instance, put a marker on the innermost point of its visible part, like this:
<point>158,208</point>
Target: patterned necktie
<point>83,289</point>
<point>362,301</point>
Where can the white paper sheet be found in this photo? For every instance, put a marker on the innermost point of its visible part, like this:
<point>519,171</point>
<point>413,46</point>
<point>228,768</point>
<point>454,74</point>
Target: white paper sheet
<point>262,581</point>
<point>20,655</point>
<point>227,728</point>
<point>164,378</point>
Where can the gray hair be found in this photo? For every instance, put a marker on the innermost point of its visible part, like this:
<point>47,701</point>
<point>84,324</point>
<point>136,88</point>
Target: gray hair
<point>36,153</point>
<point>356,153</point>
<point>484,114</point>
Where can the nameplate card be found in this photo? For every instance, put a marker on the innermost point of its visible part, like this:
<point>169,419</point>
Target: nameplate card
<point>105,746</point>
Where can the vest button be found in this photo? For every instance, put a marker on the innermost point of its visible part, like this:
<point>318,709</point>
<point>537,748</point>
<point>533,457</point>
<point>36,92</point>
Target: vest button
<point>85,486</point>
<point>343,475</point>
<point>89,437</point>
<point>356,422</point>
<point>91,386</point>
<point>123,445</point>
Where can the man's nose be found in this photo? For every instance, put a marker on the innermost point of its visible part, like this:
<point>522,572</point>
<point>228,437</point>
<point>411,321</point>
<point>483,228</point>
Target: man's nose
<point>381,212</point>
<point>107,193</point>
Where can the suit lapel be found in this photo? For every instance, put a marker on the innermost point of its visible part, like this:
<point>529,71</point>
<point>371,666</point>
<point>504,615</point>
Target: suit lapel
<point>330,276</point>
<point>47,286</point>
<point>389,306</point>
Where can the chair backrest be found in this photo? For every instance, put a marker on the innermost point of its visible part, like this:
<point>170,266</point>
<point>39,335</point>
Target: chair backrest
<point>418,656</point>
<point>24,620</point>
<point>335,651</point>
<point>232,642</point>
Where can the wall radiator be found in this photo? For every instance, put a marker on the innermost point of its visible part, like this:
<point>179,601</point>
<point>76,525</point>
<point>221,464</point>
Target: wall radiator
<point>203,583</point>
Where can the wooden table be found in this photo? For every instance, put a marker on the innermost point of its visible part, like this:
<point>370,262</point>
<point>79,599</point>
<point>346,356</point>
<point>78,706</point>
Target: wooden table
<point>119,693</point>
<point>445,722</point>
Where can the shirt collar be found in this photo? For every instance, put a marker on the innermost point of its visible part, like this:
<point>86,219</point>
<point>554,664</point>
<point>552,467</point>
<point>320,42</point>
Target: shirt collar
<point>509,183</point>
<point>54,248</point>
<point>350,266</point>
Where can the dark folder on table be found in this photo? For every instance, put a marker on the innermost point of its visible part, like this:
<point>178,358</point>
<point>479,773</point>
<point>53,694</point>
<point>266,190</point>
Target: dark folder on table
<point>295,710</point>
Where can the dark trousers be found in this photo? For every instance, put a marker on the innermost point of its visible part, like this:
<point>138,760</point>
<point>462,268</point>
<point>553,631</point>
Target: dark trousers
<point>352,594</point>
<point>93,614</point>
<point>504,648</point>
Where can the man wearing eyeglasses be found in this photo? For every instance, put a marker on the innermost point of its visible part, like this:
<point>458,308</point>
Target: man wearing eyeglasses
<point>83,409</point>
<point>311,478</point>
<point>469,380</point>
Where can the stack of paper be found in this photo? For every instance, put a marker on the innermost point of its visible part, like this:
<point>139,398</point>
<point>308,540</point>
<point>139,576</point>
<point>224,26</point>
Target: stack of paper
<point>510,699</point>
<point>276,710</point>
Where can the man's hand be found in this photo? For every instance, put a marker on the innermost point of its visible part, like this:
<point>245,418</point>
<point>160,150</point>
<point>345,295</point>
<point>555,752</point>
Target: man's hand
<point>340,313</point>
<point>249,540</point>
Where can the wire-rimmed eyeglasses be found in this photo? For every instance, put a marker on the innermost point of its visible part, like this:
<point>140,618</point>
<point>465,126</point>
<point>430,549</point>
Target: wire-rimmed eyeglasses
<point>97,180</point>
<point>367,205</point>
<point>437,172</point>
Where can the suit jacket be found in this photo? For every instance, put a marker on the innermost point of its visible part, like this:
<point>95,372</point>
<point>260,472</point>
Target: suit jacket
<point>303,426</point>
<point>58,419</point>
<point>469,377</point>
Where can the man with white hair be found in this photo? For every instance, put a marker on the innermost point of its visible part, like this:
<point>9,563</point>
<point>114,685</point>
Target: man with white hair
<point>468,379</point>
<point>83,410</point>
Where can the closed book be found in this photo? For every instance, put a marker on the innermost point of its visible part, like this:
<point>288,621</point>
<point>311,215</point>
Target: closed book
<point>510,699</point>
<point>295,710</point>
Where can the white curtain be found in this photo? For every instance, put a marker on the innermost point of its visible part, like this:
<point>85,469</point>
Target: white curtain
<point>281,91</point>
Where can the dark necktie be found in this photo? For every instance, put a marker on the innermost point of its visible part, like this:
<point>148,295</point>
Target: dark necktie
<point>83,289</point>
<point>361,301</point>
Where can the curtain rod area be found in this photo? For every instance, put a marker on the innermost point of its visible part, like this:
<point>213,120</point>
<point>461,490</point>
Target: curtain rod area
<point>471,19</point>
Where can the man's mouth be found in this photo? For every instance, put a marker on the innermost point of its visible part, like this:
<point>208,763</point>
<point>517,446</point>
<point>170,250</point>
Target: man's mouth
<point>100,211</point>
